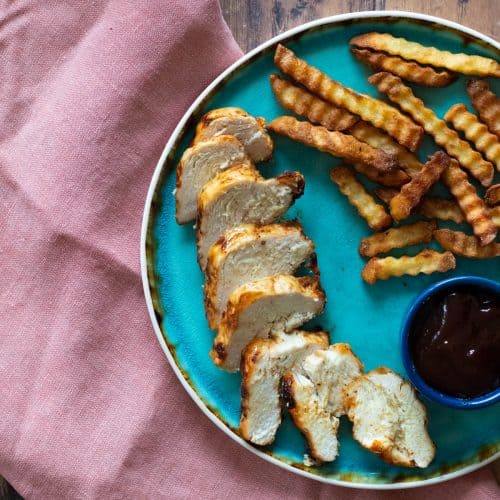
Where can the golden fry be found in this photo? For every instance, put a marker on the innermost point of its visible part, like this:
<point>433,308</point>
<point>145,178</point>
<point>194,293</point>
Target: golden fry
<point>398,237</point>
<point>466,246</point>
<point>407,70</point>
<point>492,196</point>
<point>495,215</point>
<point>374,214</point>
<point>370,109</point>
<point>303,103</point>
<point>461,63</point>
<point>411,193</point>
<point>398,92</point>
<point>486,103</point>
<point>335,143</point>
<point>395,177</point>
<point>475,131</point>
<point>440,208</point>
<point>376,138</point>
<point>427,262</point>
<point>473,207</point>
<point>429,206</point>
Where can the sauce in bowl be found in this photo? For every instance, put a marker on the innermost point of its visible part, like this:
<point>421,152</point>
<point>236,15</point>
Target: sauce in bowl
<point>455,341</point>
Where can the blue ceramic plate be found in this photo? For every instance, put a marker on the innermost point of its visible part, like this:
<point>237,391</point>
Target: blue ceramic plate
<point>367,317</point>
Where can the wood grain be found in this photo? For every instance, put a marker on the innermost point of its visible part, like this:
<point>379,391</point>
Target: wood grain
<point>255,21</point>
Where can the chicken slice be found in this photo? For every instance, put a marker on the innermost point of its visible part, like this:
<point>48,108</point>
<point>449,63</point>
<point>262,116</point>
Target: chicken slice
<point>388,418</point>
<point>313,394</point>
<point>262,365</point>
<point>250,252</point>
<point>198,165</point>
<point>241,195</point>
<point>248,130</point>
<point>261,308</point>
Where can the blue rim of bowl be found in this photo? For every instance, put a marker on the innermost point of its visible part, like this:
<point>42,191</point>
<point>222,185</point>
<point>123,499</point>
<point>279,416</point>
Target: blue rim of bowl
<point>425,389</point>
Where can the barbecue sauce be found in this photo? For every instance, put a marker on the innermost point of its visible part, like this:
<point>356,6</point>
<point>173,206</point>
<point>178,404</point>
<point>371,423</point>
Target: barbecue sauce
<point>455,342</point>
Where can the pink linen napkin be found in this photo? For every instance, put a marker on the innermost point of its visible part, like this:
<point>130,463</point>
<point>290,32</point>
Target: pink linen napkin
<point>89,407</point>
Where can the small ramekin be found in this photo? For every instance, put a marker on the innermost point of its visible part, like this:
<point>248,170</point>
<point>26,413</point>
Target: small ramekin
<point>428,391</point>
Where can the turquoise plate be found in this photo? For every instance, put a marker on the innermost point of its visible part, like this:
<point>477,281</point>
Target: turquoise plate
<point>367,317</point>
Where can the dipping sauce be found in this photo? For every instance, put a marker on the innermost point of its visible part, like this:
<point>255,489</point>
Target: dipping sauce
<point>455,342</point>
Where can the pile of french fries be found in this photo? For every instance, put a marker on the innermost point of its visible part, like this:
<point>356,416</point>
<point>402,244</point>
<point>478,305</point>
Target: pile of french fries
<point>379,141</point>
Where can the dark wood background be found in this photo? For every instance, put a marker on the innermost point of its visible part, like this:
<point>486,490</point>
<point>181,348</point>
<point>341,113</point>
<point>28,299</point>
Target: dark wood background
<point>255,21</point>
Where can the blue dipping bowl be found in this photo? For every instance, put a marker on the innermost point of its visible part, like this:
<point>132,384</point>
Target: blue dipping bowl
<point>421,300</point>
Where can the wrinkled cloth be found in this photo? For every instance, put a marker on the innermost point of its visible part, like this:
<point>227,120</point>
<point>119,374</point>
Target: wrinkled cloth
<point>89,407</point>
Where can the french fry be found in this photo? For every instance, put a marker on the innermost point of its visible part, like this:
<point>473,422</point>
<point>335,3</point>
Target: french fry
<point>407,70</point>
<point>374,214</point>
<point>335,143</point>
<point>429,206</point>
<point>487,104</point>
<point>427,262</point>
<point>466,246</point>
<point>495,215</point>
<point>398,237</point>
<point>492,196</point>
<point>461,63</point>
<point>365,132</point>
<point>475,131</point>
<point>398,92</point>
<point>303,103</point>
<point>411,193</point>
<point>475,211</point>
<point>395,177</point>
<point>370,109</point>
<point>440,208</point>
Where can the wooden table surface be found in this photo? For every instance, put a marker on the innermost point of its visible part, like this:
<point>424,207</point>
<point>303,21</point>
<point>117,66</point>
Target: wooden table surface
<point>255,21</point>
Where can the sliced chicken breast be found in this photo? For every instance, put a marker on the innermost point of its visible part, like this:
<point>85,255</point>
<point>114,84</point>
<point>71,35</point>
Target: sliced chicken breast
<point>388,418</point>
<point>261,308</point>
<point>198,165</point>
<point>262,365</point>
<point>241,195</point>
<point>248,130</point>
<point>313,394</point>
<point>247,253</point>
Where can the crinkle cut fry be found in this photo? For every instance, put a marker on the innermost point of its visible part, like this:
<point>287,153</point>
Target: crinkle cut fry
<point>374,214</point>
<point>412,51</point>
<point>492,196</point>
<point>382,115</point>
<point>397,237</point>
<point>487,104</point>
<point>431,207</point>
<point>394,178</point>
<point>335,143</point>
<point>398,92</point>
<point>475,131</point>
<point>427,262</point>
<point>466,246</point>
<point>407,70</point>
<point>373,136</point>
<point>316,110</point>
<point>412,192</point>
<point>473,207</point>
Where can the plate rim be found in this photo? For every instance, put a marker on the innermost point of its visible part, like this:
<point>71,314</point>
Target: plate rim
<point>172,141</point>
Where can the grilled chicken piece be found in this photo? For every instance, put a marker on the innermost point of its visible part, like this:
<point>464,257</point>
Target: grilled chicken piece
<point>262,365</point>
<point>388,418</point>
<point>250,252</point>
<point>312,391</point>
<point>248,130</point>
<point>241,195</point>
<point>261,308</point>
<point>198,165</point>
